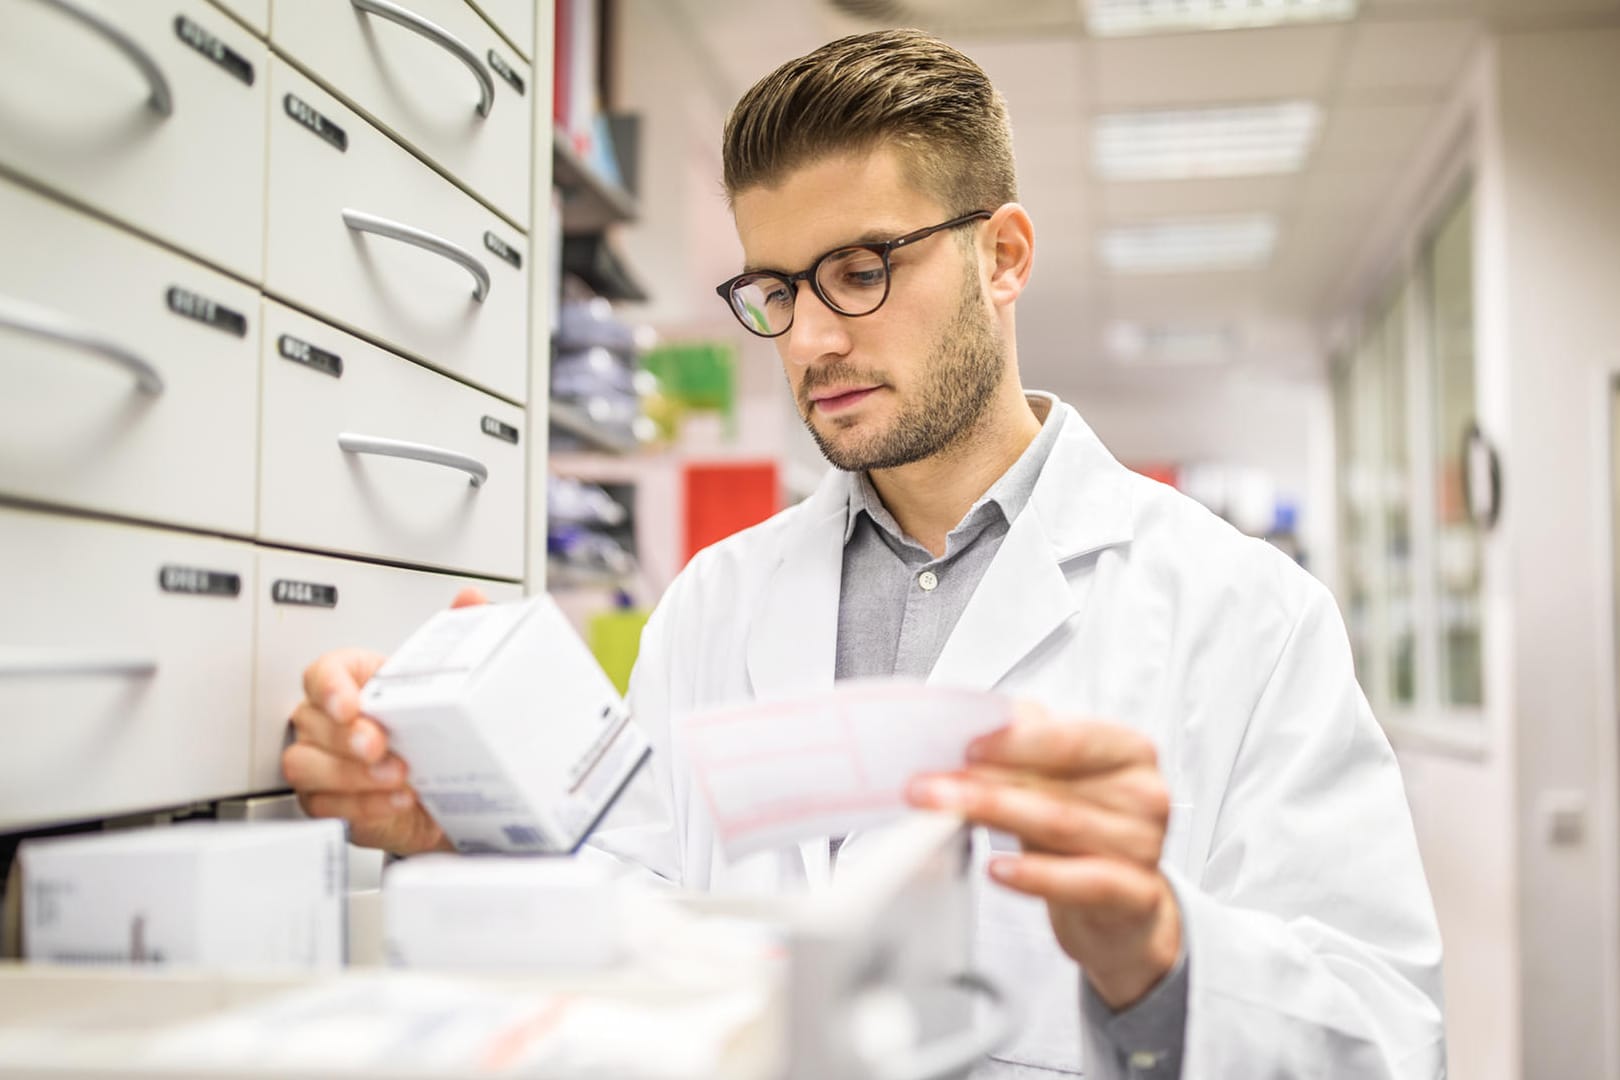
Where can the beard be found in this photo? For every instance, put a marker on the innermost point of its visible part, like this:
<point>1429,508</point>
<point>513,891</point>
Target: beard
<point>957,386</point>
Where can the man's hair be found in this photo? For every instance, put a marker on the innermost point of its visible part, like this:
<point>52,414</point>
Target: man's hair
<point>901,88</point>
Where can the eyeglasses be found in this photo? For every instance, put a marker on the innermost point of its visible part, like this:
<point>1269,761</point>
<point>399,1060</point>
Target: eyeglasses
<point>852,280</point>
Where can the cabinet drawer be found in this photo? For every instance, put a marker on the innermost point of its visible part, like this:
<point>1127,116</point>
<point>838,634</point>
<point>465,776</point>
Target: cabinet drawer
<point>128,374</point>
<point>125,659</point>
<point>513,18</point>
<point>78,115</point>
<point>420,302</point>
<point>309,605</point>
<point>422,86</point>
<point>256,13</point>
<point>313,493</point>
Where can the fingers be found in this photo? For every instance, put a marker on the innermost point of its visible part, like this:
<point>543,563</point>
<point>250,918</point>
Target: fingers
<point>362,738</point>
<point>333,682</point>
<point>1095,885</point>
<point>1047,819</point>
<point>1037,742</point>
<point>471,596</point>
<point>370,810</point>
<point>310,769</point>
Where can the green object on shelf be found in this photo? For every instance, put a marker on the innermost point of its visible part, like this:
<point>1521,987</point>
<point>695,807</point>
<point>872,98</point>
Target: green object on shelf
<point>700,375</point>
<point>615,640</point>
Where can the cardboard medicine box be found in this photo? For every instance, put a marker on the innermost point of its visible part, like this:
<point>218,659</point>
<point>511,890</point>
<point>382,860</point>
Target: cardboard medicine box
<point>517,742</point>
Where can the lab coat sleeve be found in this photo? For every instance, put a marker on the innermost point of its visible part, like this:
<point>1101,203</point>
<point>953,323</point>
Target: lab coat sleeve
<point>1313,944</point>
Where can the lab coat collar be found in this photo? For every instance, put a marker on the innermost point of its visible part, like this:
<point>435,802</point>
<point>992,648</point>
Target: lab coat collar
<point>1081,504</point>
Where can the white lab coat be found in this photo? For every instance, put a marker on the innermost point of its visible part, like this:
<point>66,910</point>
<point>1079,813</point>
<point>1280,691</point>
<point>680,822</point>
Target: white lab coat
<point>1312,939</point>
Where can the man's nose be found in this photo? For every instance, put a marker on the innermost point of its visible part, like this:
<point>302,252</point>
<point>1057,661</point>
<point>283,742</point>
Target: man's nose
<point>817,329</point>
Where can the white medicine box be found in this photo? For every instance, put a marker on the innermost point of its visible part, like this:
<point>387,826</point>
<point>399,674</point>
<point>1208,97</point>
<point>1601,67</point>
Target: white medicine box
<point>517,741</point>
<point>223,895</point>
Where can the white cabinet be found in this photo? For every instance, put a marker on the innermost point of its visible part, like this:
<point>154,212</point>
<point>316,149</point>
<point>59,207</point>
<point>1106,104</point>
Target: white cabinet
<point>128,374</point>
<point>308,605</point>
<point>362,233</point>
<point>514,18</point>
<point>153,114</point>
<point>439,78</point>
<point>256,13</point>
<point>389,459</point>
<point>125,668</point>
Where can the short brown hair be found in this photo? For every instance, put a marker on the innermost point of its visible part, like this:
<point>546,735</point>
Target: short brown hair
<point>901,87</point>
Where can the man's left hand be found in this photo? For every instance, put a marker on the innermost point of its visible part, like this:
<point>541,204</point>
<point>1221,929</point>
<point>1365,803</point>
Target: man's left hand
<point>1088,803</point>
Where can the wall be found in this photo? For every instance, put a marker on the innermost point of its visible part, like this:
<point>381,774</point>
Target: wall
<point>1558,156</point>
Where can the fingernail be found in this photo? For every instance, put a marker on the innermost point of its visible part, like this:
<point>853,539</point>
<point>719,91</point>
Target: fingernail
<point>334,702</point>
<point>1003,869</point>
<point>978,749</point>
<point>400,800</point>
<point>360,743</point>
<point>387,772</point>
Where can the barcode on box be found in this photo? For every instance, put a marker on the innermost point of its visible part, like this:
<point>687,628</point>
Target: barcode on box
<point>522,836</point>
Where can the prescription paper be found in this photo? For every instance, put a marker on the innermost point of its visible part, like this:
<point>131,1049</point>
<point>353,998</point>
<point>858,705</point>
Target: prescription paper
<point>775,773</point>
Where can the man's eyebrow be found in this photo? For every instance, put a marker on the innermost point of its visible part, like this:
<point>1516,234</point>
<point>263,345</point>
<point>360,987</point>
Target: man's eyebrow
<point>870,236</point>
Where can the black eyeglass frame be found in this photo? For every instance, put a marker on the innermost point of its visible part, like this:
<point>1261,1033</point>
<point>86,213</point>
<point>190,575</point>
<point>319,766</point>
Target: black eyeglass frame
<point>883,249</point>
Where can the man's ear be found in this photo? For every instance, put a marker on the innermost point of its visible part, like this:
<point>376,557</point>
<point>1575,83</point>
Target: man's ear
<point>1011,236</point>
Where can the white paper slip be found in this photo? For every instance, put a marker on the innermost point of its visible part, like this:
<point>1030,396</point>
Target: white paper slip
<point>775,773</point>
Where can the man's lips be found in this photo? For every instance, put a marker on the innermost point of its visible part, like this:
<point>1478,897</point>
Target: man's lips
<point>840,398</point>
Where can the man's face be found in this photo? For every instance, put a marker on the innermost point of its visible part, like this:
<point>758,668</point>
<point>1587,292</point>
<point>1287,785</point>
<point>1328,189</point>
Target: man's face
<point>915,377</point>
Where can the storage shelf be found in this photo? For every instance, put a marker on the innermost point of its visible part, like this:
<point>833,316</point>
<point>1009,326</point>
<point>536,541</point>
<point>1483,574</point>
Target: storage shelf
<point>589,202</point>
<point>574,421</point>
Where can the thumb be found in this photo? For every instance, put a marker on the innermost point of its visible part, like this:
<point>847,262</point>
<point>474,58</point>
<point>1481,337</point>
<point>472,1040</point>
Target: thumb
<point>471,596</point>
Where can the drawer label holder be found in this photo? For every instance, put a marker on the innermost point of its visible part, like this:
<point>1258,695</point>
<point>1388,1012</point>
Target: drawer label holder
<point>504,432</point>
<point>306,114</point>
<point>505,71</point>
<point>302,352</point>
<point>303,593</point>
<point>199,582</point>
<point>503,250</point>
<point>192,305</point>
<point>214,49</point>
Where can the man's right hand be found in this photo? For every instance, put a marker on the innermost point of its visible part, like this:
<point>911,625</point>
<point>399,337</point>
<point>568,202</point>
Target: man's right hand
<point>340,765</point>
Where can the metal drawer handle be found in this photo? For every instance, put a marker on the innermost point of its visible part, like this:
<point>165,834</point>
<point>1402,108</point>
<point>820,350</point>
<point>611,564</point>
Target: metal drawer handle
<point>441,37</point>
<point>434,455</point>
<point>360,221</point>
<point>41,322</point>
<point>160,99</point>
<point>26,663</point>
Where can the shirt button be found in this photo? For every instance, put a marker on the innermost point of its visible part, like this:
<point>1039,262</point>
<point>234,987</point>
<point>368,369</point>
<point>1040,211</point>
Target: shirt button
<point>927,580</point>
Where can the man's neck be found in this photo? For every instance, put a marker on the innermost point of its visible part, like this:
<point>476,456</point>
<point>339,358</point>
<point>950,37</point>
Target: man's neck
<point>929,498</point>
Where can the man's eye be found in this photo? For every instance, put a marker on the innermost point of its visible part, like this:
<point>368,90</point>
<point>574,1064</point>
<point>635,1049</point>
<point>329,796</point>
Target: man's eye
<point>864,279</point>
<point>779,297</point>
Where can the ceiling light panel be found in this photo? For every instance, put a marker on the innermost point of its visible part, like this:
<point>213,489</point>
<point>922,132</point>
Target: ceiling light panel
<point>1110,18</point>
<point>1183,144</point>
<point>1182,246</point>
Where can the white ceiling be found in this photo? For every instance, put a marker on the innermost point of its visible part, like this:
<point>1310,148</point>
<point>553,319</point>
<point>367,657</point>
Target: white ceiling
<point>1380,79</point>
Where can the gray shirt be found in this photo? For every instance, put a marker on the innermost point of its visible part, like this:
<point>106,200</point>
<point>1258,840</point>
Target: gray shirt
<point>897,607</point>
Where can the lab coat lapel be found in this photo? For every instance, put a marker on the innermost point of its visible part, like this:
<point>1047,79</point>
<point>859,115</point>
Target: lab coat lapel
<point>1081,504</point>
<point>792,644</point>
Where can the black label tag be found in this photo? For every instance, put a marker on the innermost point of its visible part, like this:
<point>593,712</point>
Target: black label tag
<point>504,70</point>
<point>303,352</point>
<point>198,582</point>
<point>494,427</point>
<point>502,250</point>
<point>306,114</point>
<point>303,593</point>
<point>213,48</point>
<point>192,306</point>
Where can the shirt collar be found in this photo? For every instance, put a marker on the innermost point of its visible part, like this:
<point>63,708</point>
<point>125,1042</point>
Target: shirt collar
<point>1010,493</point>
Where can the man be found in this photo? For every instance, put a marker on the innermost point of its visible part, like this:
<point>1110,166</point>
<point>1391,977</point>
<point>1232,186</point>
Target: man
<point>1202,856</point>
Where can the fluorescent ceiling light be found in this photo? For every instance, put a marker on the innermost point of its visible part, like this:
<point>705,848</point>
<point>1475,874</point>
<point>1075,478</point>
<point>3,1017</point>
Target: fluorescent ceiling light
<point>1246,140</point>
<point>1158,344</point>
<point>1197,244</point>
<point>1106,18</point>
